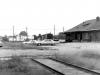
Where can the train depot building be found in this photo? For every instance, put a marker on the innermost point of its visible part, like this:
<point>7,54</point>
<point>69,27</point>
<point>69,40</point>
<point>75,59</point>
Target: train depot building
<point>87,31</point>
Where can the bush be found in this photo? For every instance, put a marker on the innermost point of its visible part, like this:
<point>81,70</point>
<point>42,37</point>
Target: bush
<point>5,38</point>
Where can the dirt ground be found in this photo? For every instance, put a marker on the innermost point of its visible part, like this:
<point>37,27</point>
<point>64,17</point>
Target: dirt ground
<point>61,48</point>
<point>74,47</point>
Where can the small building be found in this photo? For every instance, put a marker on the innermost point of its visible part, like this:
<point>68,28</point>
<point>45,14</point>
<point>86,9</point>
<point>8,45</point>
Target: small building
<point>62,36</point>
<point>1,38</point>
<point>17,38</point>
<point>11,38</point>
<point>88,31</point>
<point>47,36</point>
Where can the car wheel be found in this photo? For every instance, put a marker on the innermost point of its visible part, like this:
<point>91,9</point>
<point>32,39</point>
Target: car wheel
<point>52,44</point>
<point>39,44</point>
<point>1,46</point>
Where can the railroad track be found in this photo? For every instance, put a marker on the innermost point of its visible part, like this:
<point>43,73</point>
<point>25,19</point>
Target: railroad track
<point>68,69</point>
<point>76,67</point>
<point>55,72</point>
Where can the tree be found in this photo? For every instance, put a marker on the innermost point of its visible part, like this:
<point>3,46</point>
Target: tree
<point>27,39</point>
<point>15,36</point>
<point>23,33</point>
<point>40,36</point>
<point>35,37</point>
<point>5,38</point>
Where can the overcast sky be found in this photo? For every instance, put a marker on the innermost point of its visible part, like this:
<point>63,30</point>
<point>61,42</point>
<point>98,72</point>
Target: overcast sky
<point>40,16</point>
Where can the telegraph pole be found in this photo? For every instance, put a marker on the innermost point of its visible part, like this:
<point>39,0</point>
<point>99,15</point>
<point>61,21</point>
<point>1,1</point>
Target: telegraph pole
<point>26,32</point>
<point>46,35</point>
<point>13,33</point>
<point>26,29</point>
<point>63,29</point>
<point>54,30</point>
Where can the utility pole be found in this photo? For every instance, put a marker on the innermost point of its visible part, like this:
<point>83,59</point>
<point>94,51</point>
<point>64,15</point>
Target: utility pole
<point>63,29</point>
<point>26,29</point>
<point>54,30</point>
<point>26,32</point>
<point>46,35</point>
<point>13,33</point>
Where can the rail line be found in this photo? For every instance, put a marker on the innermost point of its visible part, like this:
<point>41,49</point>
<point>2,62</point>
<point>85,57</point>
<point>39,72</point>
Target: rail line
<point>67,70</point>
<point>56,72</point>
<point>76,67</point>
<point>49,68</point>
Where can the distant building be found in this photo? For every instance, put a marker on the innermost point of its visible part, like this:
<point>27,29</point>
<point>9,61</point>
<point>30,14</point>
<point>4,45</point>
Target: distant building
<point>62,36</point>
<point>30,37</point>
<point>11,38</point>
<point>17,38</point>
<point>0,38</point>
<point>47,36</point>
<point>55,37</point>
<point>88,31</point>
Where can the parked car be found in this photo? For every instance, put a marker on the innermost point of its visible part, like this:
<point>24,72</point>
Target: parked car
<point>46,42</point>
<point>1,44</point>
<point>55,39</point>
<point>28,42</point>
<point>62,40</point>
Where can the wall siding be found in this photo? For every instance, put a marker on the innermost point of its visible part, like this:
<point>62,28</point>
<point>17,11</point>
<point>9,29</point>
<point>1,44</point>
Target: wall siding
<point>99,36</point>
<point>92,36</point>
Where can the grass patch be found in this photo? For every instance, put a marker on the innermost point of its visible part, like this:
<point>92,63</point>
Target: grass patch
<point>90,54</point>
<point>86,59</point>
<point>17,66</point>
<point>20,45</point>
<point>14,66</point>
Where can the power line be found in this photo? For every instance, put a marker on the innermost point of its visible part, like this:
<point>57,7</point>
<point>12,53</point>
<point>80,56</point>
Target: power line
<point>31,29</point>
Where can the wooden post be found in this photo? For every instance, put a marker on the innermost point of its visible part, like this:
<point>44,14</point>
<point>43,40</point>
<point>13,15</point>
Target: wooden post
<point>54,32</point>
<point>13,33</point>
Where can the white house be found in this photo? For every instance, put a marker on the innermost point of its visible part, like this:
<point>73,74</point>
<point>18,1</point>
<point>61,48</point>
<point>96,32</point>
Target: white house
<point>20,38</point>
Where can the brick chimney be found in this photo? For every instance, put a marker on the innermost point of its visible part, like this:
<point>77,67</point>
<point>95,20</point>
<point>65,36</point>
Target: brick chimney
<point>97,19</point>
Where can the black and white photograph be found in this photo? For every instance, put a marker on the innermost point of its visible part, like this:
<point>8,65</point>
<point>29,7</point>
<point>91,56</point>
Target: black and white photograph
<point>49,37</point>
